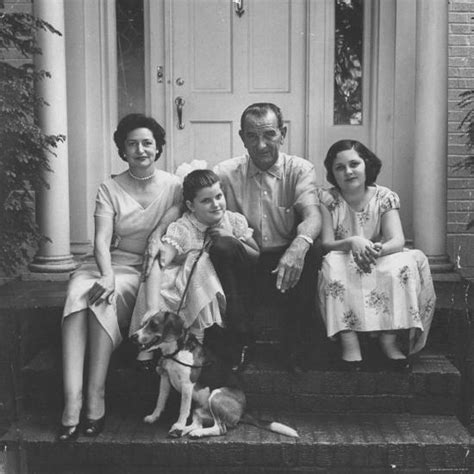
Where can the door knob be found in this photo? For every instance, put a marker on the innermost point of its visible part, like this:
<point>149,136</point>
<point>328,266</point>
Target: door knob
<point>179,81</point>
<point>179,101</point>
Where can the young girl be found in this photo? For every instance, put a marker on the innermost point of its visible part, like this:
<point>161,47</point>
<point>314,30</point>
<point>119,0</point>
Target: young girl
<point>368,282</point>
<point>205,223</point>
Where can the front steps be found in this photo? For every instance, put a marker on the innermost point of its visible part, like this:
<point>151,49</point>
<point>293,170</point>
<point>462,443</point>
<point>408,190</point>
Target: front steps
<point>370,422</point>
<point>328,443</point>
<point>432,387</point>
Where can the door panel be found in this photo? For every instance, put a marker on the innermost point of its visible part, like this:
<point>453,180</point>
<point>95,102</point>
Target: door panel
<point>220,63</point>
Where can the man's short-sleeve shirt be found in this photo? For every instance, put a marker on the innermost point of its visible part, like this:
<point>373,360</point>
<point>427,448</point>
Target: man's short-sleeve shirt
<point>271,200</point>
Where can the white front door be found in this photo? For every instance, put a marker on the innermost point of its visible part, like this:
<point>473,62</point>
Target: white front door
<point>217,62</point>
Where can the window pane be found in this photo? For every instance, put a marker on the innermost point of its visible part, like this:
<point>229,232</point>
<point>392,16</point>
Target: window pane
<point>130,60</point>
<point>348,62</point>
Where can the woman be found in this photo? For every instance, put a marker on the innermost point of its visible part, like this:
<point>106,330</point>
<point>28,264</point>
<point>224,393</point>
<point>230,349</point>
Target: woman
<point>133,209</point>
<point>368,282</point>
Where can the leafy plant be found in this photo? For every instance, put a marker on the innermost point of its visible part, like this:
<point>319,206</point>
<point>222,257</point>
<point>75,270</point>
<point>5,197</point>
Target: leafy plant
<point>25,149</point>
<point>467,126</point>
<point>348,62</point>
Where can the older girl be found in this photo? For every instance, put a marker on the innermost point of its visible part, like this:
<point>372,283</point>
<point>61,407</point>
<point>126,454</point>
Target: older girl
<point>368,282</point>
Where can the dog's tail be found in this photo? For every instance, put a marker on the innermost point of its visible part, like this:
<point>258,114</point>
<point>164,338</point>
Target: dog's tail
<point>269,425</point>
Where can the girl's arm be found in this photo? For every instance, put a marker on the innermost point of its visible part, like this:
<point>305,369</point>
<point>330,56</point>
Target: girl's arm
<point>328,240</point>
<point>362,249</point>
<point>103,288</point>
<point>251,247</point>
<point>392,232</point>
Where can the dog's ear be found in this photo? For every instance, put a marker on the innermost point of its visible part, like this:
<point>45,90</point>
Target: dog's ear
<point>173,324</point>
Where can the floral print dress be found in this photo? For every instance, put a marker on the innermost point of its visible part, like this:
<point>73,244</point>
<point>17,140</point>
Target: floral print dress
<point>397,294</point>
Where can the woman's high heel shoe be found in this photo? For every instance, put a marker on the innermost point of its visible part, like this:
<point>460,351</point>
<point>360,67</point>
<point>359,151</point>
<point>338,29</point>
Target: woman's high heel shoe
<point>94,427</point>
<point>67,433</point>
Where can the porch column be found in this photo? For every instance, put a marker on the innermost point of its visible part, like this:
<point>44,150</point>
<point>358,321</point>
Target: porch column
<point>431,132</point>
<point>53,204</point>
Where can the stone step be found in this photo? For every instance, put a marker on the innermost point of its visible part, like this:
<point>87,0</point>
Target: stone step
<point>327,443</point>
<point>432,387</point>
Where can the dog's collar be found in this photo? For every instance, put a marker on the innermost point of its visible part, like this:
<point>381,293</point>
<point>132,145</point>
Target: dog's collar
<point>172,357</point>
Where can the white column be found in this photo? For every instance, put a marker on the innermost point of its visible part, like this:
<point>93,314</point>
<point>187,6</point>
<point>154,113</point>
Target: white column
<point>431,123</point>
<point>91,63</point>
<point>53,203</point>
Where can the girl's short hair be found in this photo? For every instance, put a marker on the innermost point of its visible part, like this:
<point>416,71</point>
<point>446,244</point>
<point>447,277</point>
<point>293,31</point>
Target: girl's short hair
<point>133,121</point>
<point>197,180</point>
<point>372,162</point>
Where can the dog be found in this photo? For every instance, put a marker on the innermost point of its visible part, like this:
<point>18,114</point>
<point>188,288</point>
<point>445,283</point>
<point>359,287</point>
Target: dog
<point>182,366</point>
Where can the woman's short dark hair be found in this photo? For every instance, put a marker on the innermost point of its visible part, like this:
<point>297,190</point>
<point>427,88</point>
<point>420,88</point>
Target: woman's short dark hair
<point>372,162</point>
<point>133,121</point>
<point>261,109</point>
<point>197,180</point>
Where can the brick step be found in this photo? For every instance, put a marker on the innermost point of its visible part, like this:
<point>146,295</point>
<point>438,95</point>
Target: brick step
<point>432,387</point>
<point>327,443</point>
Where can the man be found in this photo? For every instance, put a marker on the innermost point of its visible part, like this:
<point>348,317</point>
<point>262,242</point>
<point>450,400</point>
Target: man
<point>276,192</point>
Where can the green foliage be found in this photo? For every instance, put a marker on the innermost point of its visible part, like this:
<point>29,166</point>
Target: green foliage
<point>25,149</point>
<point>467,126</point>
<point>348,62</point>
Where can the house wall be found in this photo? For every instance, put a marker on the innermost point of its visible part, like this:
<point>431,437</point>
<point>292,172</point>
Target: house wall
<point>460,241</point>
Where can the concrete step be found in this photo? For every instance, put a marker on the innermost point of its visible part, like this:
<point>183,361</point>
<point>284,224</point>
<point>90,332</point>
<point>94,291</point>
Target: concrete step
<point>328,443</point>
<point>432,387</point>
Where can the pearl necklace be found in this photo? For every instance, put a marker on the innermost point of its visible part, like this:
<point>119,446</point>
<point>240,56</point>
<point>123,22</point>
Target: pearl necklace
<point>139,178</point>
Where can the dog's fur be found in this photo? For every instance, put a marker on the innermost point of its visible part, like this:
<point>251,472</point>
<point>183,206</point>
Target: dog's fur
<point>215,410</point>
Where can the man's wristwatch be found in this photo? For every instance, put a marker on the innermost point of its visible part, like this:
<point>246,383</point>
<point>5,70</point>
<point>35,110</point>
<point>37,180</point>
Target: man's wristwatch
<point>306,238</point>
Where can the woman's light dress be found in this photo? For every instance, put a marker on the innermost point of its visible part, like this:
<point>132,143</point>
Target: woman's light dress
<point>204,302</point>
<point>132,224</point>
<point>397,294</point>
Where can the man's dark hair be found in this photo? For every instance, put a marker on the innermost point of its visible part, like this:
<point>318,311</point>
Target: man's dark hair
<point>261,109</point>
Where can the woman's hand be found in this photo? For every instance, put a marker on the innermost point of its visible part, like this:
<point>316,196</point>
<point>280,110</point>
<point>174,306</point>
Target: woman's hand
<point>102,290</point>
<point>152,252</point>
<point>364,253</point>
<point>167,254</point>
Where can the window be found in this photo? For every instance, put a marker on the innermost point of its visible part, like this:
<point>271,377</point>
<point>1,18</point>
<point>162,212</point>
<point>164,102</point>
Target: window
<point>348,66</point>
<point>130,60</point>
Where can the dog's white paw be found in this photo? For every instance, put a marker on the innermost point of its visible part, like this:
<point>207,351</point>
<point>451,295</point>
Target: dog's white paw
<point>195,434</point>
<point>150,418</point>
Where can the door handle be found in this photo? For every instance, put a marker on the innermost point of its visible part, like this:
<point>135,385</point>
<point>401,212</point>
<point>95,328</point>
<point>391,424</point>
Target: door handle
<point>179,101</point>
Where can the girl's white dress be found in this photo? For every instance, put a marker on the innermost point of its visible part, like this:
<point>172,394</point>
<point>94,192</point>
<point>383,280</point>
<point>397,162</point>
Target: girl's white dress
<point>132,225</point>
<point>204,302</point>
<point>397,294</point>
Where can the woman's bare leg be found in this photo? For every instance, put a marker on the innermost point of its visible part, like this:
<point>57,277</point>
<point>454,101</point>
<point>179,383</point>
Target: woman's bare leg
<point>388,343</point>
<point>350,346</point>
<point>74,341</point>
<point>152,287</point>
<point>100,350</point>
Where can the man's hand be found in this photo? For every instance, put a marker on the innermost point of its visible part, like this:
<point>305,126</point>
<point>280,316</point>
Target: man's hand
<point>152,252</point>
<point>102,290</point>
<point>291,264</point>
